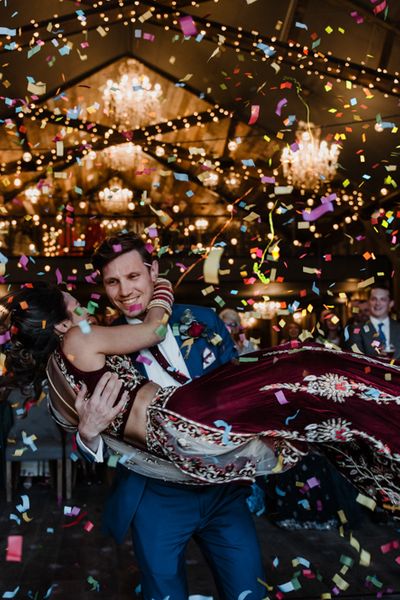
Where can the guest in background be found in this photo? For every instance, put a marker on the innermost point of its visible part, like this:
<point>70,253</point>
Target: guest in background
<point>329,329</point>
<point>231,318</point>
<point>380,335</point>
<point>291,332</point>
<point>359,312</point>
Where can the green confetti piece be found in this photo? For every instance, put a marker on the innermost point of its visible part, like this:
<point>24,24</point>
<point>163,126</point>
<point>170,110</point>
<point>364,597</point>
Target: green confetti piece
<point>161,331</point>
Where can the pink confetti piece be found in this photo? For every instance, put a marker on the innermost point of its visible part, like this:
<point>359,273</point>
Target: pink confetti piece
<point>316,213</point>
<point>88,526</point>
<point>188,26</point>
<point>393,545</point>
<point>313,482</point>
<point>255,111</point>
<point>58,276</point>
<point>14,548</point>
<point>144,360</point>
<point>5,337</point>
<point>149,37</point>
<point>280,105</point>
<point>265,179</point>
<point>134,307</point>
<point>358,18</point>
<point>23,261</point>
<point>280,396</point>
<point>117,247</point>
<point>379,8</point>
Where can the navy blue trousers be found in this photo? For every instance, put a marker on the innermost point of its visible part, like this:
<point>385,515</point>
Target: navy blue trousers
<point>218,518</point>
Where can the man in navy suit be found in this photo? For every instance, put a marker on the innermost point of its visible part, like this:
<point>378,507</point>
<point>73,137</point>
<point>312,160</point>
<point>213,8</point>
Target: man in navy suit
<point>164,516</point>
<point>380,335</point>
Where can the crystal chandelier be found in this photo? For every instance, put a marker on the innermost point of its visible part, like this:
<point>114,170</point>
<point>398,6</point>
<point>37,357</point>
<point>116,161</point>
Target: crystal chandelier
<point>209,179</point>
<point>132,100</point>
<point>32,194</point>
<point>309,162</point>
<point>115,198</point>
<point>232,182</point>
<point>122,157</point>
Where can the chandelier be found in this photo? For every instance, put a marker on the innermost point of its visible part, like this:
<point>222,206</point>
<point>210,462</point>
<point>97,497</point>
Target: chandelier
<point>115,198</point>
<point>132,100</point>
<point>122,157</point>
<point>309,162</point>
<point>232,182</point>
<point>32,194</point>
<point>209,179</point>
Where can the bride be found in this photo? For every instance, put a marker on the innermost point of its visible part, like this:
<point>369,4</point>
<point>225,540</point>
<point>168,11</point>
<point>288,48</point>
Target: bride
<point>259,416</point>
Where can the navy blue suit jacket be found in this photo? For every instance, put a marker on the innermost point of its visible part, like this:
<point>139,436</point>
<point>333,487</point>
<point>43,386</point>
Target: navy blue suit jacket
<point>129,486</point>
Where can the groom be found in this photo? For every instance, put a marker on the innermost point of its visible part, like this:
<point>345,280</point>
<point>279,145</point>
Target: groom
<point>164,516</point>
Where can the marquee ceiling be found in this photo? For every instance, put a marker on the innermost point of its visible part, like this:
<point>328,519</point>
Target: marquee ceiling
<point>248,71</point>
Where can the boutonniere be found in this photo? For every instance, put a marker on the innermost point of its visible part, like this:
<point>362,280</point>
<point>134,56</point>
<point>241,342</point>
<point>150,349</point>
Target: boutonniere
<point>190,328</point>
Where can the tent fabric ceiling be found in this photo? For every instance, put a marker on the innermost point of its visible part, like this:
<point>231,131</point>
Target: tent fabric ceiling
<point>333,63</point>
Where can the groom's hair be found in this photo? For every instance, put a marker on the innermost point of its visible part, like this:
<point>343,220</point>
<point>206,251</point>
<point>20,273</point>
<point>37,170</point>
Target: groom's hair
<point>115,245</point>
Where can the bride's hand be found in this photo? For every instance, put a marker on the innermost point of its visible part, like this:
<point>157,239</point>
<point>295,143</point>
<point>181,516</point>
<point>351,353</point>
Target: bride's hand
<point>97,411</point>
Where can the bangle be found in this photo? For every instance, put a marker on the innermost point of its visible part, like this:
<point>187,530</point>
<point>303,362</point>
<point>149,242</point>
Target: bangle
<point>159,303</point>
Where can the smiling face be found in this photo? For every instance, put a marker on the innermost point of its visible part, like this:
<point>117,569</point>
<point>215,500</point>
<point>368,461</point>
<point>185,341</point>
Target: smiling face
<point>379,303</point>
<point>129,283</point>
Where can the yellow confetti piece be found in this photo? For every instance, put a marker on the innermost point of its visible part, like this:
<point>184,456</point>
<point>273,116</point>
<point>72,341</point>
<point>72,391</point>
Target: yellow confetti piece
<point>342,517</point>
<point>340,582</point>
<point>251,217</point>
<point>388,377</point>
<point>211,265</point>
<point>26,518</point>
<point>19,451</point>
<point>354,542</point>
<point>207,290</point>
<point>328,30</point>
<point>101,31</point>
<point>365,558</point>
<point>366,282</point>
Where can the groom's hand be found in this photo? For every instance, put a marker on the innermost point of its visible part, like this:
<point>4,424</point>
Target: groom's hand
<point>97,411</point>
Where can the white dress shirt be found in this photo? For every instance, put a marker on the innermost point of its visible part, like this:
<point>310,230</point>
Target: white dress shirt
<point>154,371</point>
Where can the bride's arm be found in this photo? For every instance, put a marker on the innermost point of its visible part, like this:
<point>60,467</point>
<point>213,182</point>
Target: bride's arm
<point>124,339</point>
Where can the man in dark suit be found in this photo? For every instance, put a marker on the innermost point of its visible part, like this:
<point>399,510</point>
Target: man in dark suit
<point>163,516</point>
<point>380,335</point>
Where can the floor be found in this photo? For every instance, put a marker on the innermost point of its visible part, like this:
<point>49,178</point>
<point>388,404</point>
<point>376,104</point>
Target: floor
<point>66,557</point>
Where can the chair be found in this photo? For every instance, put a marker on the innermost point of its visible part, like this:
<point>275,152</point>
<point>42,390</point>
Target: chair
<point>36,437</point>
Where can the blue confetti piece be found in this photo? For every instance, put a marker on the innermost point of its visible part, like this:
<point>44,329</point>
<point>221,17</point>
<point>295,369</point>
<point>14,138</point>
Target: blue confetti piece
<point>248,162</point>
<point>244,594</point>
<point>181,176</point>
<point>7,31</point>
<point>292,417</point>
<point>11,594</point>
<point>268,50</point>
<point>227,429</point>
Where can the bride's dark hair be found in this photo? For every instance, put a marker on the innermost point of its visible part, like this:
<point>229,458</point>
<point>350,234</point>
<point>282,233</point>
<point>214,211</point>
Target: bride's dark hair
<point>31,314</point>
